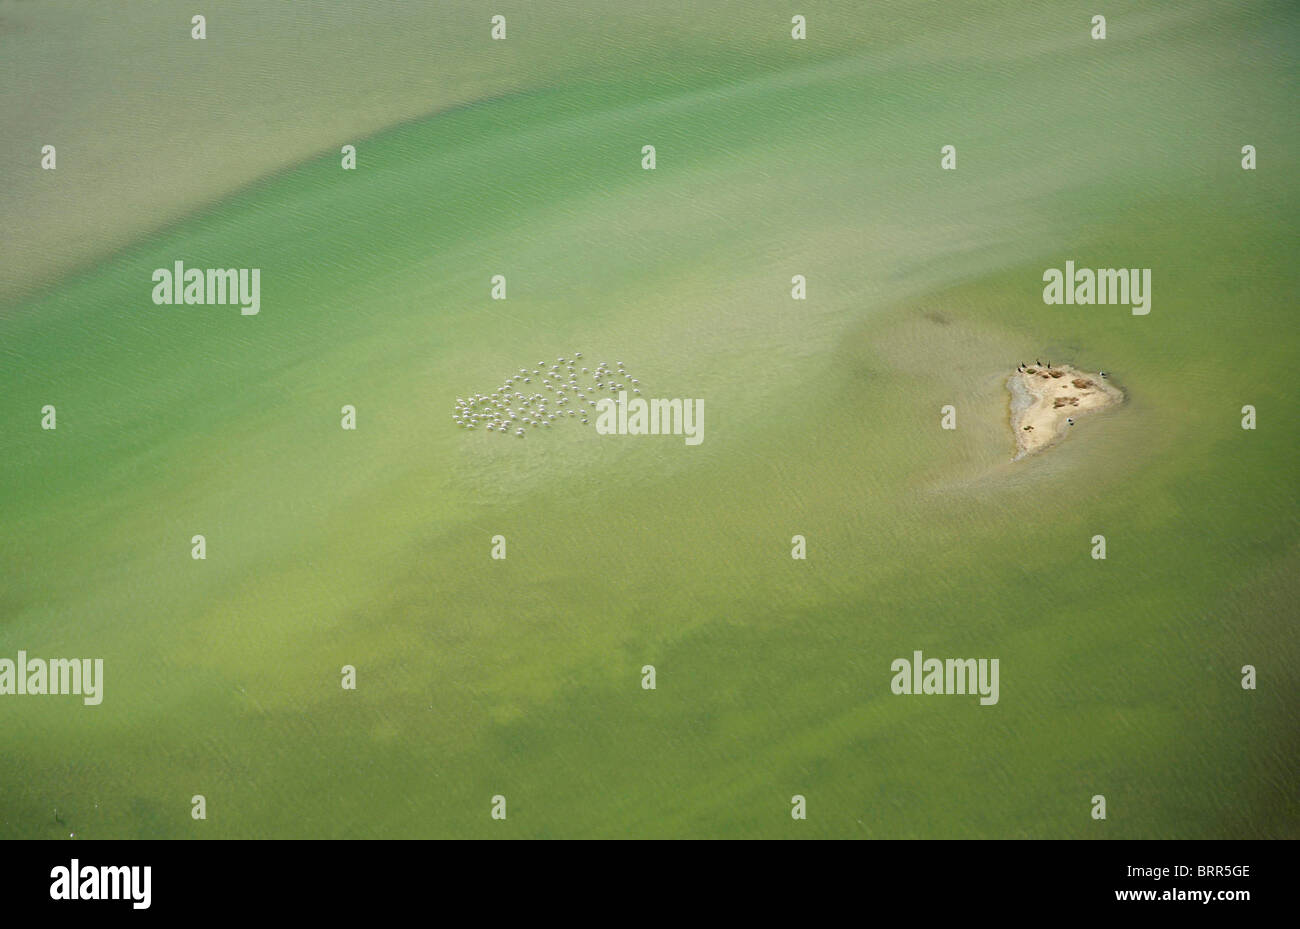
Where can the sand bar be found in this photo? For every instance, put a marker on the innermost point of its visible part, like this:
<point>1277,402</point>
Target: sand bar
<point>1046,402</point>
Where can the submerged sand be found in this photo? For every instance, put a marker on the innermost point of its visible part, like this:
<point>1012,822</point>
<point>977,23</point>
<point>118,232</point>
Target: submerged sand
<point>1045,400</point>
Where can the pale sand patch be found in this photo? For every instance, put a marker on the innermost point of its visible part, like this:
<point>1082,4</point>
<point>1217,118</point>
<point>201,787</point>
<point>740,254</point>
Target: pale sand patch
<point>1043,400</point>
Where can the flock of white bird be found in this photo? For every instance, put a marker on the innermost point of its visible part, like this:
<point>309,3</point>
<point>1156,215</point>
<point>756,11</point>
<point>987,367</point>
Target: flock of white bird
<point>567,390</point>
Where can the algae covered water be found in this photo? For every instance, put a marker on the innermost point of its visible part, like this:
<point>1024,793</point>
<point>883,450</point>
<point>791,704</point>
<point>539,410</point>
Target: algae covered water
<point>524,676</point>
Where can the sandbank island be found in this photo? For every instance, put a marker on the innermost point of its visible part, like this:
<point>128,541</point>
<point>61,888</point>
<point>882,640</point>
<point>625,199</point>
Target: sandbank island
<point>1047,401</point>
